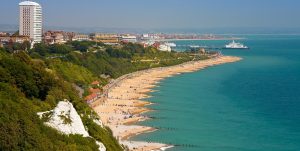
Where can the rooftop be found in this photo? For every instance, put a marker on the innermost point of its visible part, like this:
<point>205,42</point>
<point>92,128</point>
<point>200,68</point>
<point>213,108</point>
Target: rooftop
<point>28,3</point>
<point>91,97</point>
<point>95,83</point>
<point>94,90</point>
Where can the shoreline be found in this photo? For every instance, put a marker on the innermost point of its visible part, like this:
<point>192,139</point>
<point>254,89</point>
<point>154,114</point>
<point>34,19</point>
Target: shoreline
<point>204,39</point>
<point>124,104</point>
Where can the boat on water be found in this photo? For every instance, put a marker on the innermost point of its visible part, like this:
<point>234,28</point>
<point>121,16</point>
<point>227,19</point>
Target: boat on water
<point>194,46</point>
<point>170,44</point>
<point>235,45</point>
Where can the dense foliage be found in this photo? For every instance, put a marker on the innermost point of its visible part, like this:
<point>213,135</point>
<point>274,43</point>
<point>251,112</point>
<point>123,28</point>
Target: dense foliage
<point>117,61</point>
<point>21,129</point>
<point>29,76</point>
<point>100,59</point>
<point>71,72</point>
<point>27,86</point>
<point>36,80</point>
<point>11,46</point>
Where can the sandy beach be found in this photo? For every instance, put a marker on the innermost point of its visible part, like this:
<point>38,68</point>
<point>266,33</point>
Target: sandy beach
<point>122,105</point>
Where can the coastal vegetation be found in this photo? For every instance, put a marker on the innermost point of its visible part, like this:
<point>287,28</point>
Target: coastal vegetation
<point>35,80</point>
<point>100,59</point>
<point>27,87</point>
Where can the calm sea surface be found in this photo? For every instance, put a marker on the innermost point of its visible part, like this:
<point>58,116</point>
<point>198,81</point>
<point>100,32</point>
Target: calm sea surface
<point>252,105</point>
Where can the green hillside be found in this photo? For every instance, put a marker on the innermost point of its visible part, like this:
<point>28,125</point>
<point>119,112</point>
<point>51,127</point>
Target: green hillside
<point>36,80</point>
<point>26,88</point>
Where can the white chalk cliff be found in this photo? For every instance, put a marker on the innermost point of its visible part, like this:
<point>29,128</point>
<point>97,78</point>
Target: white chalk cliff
<point>66,120</point>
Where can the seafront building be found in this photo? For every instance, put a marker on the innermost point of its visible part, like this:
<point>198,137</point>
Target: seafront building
<point>4,39</point>
<point>129,38</point>
<point>4,34</point>
<point>31,21</point>
<point>150,37</point>
<point>105,38</point>
<point>52,37</point>
<point>57,37</point>
<point>164,47</point>
<point>81,37</point>
<point>94,93</point>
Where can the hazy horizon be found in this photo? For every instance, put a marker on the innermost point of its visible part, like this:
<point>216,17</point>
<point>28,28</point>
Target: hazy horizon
<point>233,31</point>
<point>280,16</point>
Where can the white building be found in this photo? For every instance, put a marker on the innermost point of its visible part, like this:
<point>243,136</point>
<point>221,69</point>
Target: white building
<point>164,47</point>
<point>81,37</point>
<point>128,38</point>
<point>31,20</point>
<point>151,37</point>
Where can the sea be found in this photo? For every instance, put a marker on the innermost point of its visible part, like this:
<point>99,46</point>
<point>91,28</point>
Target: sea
<point>251,105</point>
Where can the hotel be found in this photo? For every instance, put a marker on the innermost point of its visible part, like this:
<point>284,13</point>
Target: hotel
<point>31,21</point>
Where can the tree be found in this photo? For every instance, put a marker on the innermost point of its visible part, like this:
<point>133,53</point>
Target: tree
<point>41,48</point>
<point>60,49</point>
<point>25,45</point>
<point>17,33</point>
<point>17,46</point>
<point>82,45</point>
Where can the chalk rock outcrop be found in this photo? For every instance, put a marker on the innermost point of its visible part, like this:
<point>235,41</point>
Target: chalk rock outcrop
<point>66,120</point>
<point>101,146</point>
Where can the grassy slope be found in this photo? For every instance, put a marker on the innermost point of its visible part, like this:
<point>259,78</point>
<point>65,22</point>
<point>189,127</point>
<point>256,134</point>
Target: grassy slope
<point>72,72</point>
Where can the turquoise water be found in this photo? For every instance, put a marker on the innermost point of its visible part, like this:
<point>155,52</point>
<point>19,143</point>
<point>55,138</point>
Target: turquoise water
<point>252,105</point>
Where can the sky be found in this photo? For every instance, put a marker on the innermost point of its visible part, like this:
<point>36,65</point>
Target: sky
<point>154,14</point>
